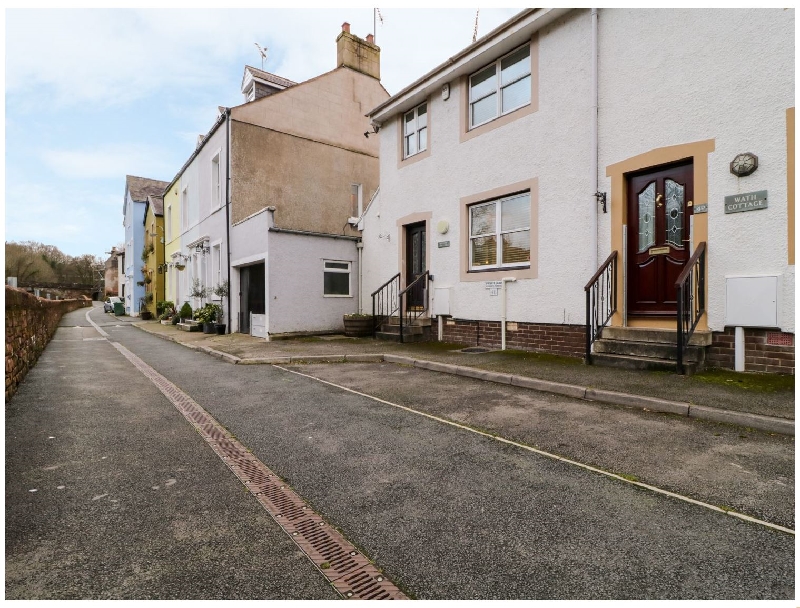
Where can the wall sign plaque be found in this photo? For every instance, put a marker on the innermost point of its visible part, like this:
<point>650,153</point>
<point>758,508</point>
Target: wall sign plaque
<point>443,244</point>
<point>701,208</point>
<point>750,201</point>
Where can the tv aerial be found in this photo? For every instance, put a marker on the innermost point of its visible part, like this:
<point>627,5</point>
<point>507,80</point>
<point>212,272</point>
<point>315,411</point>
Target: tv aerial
<point>262,52</point>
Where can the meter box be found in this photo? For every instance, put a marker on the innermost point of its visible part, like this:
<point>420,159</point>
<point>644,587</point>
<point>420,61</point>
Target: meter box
<point>441,301</point>
<point>752,301</point>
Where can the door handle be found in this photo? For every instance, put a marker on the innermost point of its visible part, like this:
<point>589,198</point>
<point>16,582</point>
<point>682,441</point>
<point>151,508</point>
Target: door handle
<point>658,198</point>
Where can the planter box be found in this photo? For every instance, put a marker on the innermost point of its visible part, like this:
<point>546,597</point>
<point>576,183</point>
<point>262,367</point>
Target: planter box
<point>359,327</point>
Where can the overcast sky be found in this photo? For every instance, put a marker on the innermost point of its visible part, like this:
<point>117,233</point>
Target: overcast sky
<point>93,95</point>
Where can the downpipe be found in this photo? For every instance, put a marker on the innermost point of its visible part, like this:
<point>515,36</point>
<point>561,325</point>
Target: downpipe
<point>503,311</point>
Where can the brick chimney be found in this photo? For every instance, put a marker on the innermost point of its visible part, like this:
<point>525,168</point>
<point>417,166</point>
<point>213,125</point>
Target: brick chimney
<point>361,55</point>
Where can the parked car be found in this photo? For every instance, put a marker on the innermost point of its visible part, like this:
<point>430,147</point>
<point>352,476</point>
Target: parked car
<point>108,305</point>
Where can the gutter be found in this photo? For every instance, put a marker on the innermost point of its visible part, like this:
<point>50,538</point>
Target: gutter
<point>322,234</point>
<point>197,150</point>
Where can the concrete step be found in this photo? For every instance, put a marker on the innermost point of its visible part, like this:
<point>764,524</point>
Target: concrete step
<point>395,337</point>
<point>407,330</point>
<point>421,322</point>
<point>653,335</point>
<point>643,363</point>
<point>650,350</point>
<point>189,326</point>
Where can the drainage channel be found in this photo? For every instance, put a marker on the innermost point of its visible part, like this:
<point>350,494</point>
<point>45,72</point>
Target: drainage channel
<point>347,569</point>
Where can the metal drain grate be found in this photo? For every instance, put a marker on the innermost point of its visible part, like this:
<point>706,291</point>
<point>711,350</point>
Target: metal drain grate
<point>350,572</point>
<point>474,350</point>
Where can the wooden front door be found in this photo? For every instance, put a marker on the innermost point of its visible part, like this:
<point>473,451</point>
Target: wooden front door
<point>415,262</point>
<point>659,206</point>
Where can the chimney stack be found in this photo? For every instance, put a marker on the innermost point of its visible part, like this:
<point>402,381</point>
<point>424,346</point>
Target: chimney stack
<point>358,54</point>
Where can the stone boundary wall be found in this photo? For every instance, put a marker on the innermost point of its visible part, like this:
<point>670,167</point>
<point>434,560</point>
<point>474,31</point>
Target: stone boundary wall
<point>764,351</point>
<point>30,323</point>
<point>566,340</point>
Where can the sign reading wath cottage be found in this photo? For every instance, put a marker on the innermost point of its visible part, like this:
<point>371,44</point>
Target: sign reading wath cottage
<point>749,201</point>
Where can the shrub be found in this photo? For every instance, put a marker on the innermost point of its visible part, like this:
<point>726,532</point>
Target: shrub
<point>186,311</point>
<point>165,307</point>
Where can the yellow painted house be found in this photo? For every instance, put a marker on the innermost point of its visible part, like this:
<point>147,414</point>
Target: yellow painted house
<point>172,239</point>
<point>152,254</point>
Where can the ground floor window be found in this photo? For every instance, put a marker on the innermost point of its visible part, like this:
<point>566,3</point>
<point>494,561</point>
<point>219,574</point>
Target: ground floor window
<point>336,282</point>
<point>500,233</point>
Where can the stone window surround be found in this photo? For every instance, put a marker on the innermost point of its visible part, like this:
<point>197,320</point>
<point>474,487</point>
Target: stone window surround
<point>465,133</point>
<point>530,272</point>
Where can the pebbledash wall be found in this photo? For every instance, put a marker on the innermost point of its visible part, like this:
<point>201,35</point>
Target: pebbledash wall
<point>30,323</point>
<point>656,105</point>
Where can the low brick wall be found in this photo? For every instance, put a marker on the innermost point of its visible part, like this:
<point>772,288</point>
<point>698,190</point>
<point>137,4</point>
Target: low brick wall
<point>567,340</point>
<point>764,351</point>
<point>30,323</point>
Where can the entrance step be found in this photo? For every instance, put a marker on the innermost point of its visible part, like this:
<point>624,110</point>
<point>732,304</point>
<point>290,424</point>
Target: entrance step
<point>418,331</point>
<point>649,350</point>
<point>649,334</point>
<point>642,363</point>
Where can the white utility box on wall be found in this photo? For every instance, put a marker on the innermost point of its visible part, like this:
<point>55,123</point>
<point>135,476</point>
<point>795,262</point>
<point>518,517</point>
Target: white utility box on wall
<point>752,301</point>
<point>441,301</point>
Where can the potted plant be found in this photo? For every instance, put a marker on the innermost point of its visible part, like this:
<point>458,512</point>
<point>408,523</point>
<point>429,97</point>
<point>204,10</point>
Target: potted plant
<point>221,291</point>
<point>186,312</point>
<point>198,290</point>
<point>145,314</point>
<point>207,315</point>
<point>358,325</point>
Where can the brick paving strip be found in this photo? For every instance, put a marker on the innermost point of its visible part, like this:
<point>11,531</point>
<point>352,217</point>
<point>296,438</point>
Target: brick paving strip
<point>346,568</point>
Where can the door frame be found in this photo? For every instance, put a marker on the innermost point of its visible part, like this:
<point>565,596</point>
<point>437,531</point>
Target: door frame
<point>402,245</point>
<point>698,153</point>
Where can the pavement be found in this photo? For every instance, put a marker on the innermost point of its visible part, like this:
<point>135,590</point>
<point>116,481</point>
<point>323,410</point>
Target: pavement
<point>759,401</point>
<point>453,486</point>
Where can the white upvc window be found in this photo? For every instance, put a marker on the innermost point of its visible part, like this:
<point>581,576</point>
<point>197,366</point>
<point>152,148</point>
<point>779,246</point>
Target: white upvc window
<point>356,201</point>
<point>500,233</point>
<point>501,87</point>
<point>336,281</point>
<point>415,131</point>
<point>216,191</point>
<point>168,223</point>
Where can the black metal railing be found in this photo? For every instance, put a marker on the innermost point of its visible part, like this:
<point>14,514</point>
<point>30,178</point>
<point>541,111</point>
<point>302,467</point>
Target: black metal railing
<point>601,301</point>
<point>414,301</point>
<point>691,288</point>
<point>385,302</point>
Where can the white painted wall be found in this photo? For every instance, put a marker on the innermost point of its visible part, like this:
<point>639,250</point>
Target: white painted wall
<point>551,145</point>
<point>295,274</point>
<point>667,77</point>
<point>684,75</point>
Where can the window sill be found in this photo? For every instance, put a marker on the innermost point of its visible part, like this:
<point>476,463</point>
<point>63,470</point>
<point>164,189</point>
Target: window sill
<point>496,269</point>
<point>333,296</point>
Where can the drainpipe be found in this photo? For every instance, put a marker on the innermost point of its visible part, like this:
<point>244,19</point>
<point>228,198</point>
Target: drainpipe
<point>227,206</point>
<point>503,311</point>
<point>593,169</point>
<point>360,248</point>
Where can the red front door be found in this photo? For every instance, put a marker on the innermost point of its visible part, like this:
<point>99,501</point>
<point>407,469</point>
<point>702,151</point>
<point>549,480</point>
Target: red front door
<point>659,206</point>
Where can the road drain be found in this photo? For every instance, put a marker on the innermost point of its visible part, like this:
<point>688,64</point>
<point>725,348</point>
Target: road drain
<point>474,350</point>
<point>348,570</point>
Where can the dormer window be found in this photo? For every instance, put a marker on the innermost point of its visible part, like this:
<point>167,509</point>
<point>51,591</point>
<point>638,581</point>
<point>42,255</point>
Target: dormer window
<point>415,130</point>
<point>500,88</point>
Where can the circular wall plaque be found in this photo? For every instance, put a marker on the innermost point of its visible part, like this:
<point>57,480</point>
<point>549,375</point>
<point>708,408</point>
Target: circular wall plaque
<point>744,164</point>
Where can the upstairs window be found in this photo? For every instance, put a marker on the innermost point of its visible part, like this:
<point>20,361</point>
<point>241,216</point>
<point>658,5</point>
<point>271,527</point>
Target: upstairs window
<point>216,194</point>
<point>415,131</point>
<point>500,233</point>
<point>501,87</point>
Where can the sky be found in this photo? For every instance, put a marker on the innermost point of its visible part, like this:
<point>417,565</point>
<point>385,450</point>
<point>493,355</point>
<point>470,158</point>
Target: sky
<point>93,95</point>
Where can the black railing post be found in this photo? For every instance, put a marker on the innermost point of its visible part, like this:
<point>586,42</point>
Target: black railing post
<point>400,314</point>
<point>373,316</point>
<point>588,329</point>
<point>680,329</point>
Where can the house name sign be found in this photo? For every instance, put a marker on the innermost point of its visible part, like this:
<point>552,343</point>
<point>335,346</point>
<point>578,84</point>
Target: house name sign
<point>493,287</point>
<point>749,201</point>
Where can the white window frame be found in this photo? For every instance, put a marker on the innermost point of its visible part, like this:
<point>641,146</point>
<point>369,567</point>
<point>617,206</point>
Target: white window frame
<point>498,90</point>
<point>216,188</point>
<point>216,266</point>
<point>168,223</point>
<point>417,129</point>
<point>359,198</point>
<point>498,234</point>
<point>348,271</point>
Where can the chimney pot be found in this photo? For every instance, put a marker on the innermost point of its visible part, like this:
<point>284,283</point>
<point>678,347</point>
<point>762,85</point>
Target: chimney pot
<point>370,38</point>
<point>346,27</point>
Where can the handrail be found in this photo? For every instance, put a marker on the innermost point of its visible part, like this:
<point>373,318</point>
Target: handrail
<point>601,292</point>
<point>420,284</point>
<point>388,301</point>
<point>691,296</point>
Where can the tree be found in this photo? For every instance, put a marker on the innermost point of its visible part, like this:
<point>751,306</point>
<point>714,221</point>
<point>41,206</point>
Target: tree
<point>23,262</point>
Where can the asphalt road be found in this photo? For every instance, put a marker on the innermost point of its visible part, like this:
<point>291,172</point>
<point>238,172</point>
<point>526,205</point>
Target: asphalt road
<point>444,512</point>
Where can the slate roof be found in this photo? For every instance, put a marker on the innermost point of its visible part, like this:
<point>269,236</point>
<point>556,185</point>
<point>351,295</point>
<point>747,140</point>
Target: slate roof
<point>157,202</point>
<point>141,187</point>
<point>262,75</point>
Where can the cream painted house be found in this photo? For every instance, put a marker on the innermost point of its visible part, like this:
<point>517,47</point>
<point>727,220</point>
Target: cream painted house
<point>652,147</point>
<point>301,172</point>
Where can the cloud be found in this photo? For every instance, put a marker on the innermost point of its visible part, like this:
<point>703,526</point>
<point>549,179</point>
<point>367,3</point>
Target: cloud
<point>110,161</point>
<point>113,57</point>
